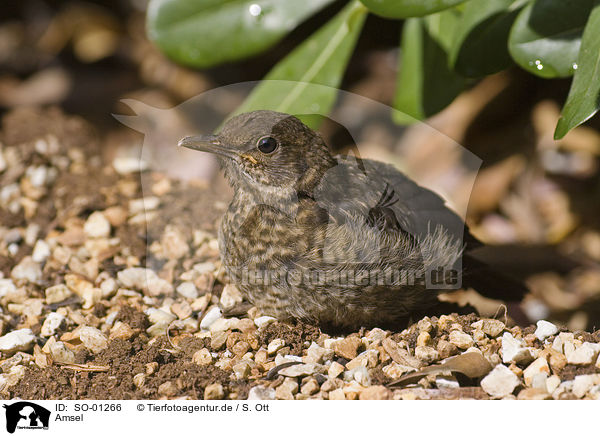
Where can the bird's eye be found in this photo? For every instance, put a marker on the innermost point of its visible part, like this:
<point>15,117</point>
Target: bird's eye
<point>267,144</point>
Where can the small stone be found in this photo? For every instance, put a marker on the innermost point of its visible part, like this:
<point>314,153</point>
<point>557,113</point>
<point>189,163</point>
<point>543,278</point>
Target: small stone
<point>446,382</point>
<point>287,389</point>
<point>159,316</point>
<point>423,339</point>
<point>275,345</point>
<point>263,321</point>
<point>139,379</point>
<point>174,243</point>
<point>188,290</point>
<point>375,393</point>
<point>19,358</point>
<point>211,316</point>
<point>51,324</point>
<point>261,393</point>
<point>202,357</point>
<point>426,354</point>
<point>214,391</point>
<point>399,354</point>
<point>311,387</point>
<point>121,330</point>
<point>6,287</point>
<point>167,389</point>
<point>41,251</point>
<point>500,382</point>
<point>514,351</point>
<point>60,353</point>
<point>145,280</point>
<point>585,354</point>
<point>222,324</point>
<point>533,394</point>
<point>335,369</point>
<point>17,340</point>
<point>97,226</point>
<point>217,340</point>
<point>538,366</point>
<point>552,383</point>
<point>446,349</point>
<point>57,293</point>
<point>545,329</point>
<point>151,368</point>
<point>491,327</point>
<point>182,309</point>
<point>126,165</point>
<point>230,296</point>
<point>317,354</point>
<point>376,335</point>
<point>337,394</point>
<point>561,340</point>
<point>583,383</point>
<point>93,339</point>
<point>300,370</point>
<point>368,359</point>
<point>347,347</point>
<point>460,339</point>
<point>241,370</point>
<point>27,271</point>
<point>116,215</point>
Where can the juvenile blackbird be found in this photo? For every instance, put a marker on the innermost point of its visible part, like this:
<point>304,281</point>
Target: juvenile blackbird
<point>336,241</point>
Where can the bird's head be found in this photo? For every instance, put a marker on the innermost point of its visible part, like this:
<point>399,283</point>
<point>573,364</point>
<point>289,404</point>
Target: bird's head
<point>266,149</point>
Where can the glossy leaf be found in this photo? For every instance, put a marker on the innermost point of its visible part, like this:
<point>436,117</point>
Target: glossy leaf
<point>479,46</point>
<point>425,84</point>
<point>408,8</point>
<point>203,33</point>
<point>321,59</point>
<point>546,36</point>
<point>584,96</point>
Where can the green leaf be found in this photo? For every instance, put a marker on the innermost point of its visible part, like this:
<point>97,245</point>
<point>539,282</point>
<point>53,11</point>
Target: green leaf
<point>320,60</point>
<point>479,46</point>
<point>408,8</point>
<point>584,96</point>
<point>546,36</point>
<point>425,84</point>
<point>203,33</point>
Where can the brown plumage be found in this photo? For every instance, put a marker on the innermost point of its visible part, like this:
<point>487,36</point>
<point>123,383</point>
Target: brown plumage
<point>340,242</point>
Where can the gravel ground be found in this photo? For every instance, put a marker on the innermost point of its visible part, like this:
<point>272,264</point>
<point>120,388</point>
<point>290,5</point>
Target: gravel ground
<point>106,296</point>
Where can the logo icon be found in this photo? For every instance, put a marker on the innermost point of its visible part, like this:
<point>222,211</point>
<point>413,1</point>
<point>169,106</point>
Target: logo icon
<point>26,415</point>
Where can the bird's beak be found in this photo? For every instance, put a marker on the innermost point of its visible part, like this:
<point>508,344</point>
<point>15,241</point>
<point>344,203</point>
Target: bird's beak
<point>209,144</point>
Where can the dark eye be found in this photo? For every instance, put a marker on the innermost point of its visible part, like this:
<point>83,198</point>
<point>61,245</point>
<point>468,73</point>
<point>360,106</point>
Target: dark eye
<point>267,144</point>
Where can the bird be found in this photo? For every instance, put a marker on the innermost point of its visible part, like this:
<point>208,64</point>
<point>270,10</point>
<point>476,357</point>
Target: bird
<point>335,241</point>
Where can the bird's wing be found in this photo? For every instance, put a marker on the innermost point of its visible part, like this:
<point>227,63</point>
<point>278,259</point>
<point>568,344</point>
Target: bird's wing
<point>387,198</point>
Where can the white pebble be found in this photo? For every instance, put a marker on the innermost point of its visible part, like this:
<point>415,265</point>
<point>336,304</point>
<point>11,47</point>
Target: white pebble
<point>583,355</point>
<point>93,339</point>
<point>545,329</point>
<point>275,345</point>
<point>230,296</point>
<point>514,350</point>
<point>127,165</point>
<point>263,321</point>
<point>97,226</point>
<point>261,393</point>
<point>500,382</point>
<point>27,270</point>
<point>211,316</point>
<point>51,324</point>
<point>6,286</point>
<point>188,290</point>
<point>538,366</point>
<point>41,251</point>
<point>17,340</point>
